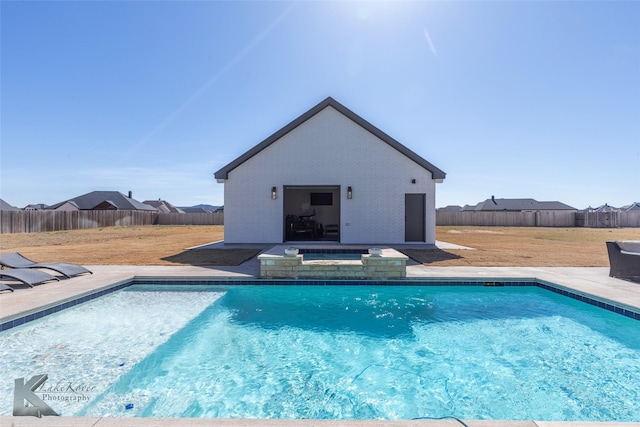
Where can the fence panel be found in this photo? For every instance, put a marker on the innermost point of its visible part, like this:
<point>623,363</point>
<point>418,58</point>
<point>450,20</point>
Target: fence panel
<point>555,219</point>
<point>41,221</point>
<point>630,219</point>
<point>608,219</point>
<point>485,219</point>
<point>12,222</point>
<point>512,219</point>
<point>210,218</point>
<point>598,219</point>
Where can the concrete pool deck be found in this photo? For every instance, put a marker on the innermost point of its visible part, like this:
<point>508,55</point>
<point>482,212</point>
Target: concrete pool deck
<point>594,282</point>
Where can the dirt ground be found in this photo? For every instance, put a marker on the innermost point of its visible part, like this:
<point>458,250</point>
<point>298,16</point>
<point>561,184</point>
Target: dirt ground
<point>166,245</point>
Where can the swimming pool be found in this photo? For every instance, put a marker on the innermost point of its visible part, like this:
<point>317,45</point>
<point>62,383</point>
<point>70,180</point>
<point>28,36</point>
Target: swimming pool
<point>336,352</point>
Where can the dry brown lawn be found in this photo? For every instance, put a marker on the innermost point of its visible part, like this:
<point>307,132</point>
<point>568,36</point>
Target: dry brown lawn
<point>144,245</point>
<point>166,245</point>
<point>525,246</point>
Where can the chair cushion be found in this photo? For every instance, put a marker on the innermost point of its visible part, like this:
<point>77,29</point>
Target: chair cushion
<point>630,246</point>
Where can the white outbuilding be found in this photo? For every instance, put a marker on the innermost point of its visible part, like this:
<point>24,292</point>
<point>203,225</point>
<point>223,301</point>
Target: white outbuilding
<point>330,175</point>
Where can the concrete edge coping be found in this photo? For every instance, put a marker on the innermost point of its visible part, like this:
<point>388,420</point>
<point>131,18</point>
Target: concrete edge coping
<point>212,422</point>
<point>278,252</point>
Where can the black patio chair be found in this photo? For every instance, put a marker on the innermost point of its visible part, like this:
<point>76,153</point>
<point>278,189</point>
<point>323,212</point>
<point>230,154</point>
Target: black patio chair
<point>624,260</point>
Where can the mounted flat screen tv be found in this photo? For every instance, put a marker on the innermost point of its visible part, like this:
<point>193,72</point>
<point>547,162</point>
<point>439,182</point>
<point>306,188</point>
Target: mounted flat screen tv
<point>321,199</point>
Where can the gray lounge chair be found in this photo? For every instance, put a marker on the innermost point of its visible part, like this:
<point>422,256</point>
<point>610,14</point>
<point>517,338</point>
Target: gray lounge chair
<point>16,260</point>
<point>27,276</point>
<point>4,287</point>
<point>624,260</point>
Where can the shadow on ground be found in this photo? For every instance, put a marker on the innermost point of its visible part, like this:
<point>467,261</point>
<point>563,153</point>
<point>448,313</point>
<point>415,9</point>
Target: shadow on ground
<point>429,256</point>
<point>213,257</point>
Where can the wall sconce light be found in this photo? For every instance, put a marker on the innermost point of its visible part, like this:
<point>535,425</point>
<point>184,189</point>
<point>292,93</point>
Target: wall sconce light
<point>349,193</point>
<point>274,193</point>
<point>413,181</point>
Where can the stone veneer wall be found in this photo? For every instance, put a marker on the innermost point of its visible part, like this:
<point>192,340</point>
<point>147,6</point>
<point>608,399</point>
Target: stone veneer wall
<point>391,265</point>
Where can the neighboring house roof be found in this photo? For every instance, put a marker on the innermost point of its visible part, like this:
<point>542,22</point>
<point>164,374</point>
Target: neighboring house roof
<point>451,208</point>
<point>201,208</point>
<point>97,200</point>
<point>517,205</point>
<point>163,206</point>
<point>605,208</point>
<point>632,207</point>
<point>4,206</point>
<point>555,206</point>
<point>330,102</point>
<point>35,207</point>
<point>69,205</point>
<point>194,210</point>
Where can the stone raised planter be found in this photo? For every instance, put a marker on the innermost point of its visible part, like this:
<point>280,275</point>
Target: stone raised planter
<point>386,263</point>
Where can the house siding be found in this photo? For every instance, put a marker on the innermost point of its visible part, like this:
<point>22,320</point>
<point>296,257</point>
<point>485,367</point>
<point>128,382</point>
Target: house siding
<point>329,149</point>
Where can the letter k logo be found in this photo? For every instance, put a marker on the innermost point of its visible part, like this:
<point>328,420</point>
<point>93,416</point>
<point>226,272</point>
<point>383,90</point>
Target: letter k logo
<point>24,391</point>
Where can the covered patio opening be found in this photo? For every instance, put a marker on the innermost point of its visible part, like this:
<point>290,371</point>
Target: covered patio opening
<point>311,213</point>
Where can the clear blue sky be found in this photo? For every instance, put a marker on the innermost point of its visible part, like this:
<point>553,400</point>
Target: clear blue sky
<point>513,99</point>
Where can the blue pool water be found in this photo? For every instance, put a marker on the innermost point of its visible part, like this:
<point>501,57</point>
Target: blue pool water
<point>345,352</point>
<point>318,256</point>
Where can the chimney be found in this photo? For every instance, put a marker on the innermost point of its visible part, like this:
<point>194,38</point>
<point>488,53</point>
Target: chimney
<point>130,194</point>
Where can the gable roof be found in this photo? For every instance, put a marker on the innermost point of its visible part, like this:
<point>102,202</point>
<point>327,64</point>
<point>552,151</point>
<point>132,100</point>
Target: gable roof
<point>632,207</point>
<point>163,206</point>
<point>605,208</point>
<point>330,102</point>
<point>494,204</point>
<point>116,199</point>
<point>451,208</point>
<point>71,204</point>
<point>4,206</point>
<point>36,206</point>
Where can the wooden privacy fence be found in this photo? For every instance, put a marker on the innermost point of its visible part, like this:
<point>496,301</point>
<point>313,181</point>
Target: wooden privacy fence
<point>608,219</point>
<point>211,218</point>
<point>507,219</point>
<point>39,221</point>
<point>540,219</point>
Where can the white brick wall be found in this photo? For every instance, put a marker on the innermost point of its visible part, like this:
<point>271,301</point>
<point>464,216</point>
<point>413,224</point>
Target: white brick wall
<point>328,149</point>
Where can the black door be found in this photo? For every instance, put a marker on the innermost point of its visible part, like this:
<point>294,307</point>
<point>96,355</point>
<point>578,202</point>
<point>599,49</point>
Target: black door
<point>414,217</point>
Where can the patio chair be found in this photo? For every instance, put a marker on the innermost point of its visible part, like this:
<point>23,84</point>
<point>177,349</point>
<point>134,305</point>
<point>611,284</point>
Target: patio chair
<point>624,260</point>
<point>4,287</point>
<point>27,276</point>
<point>16,260</point>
